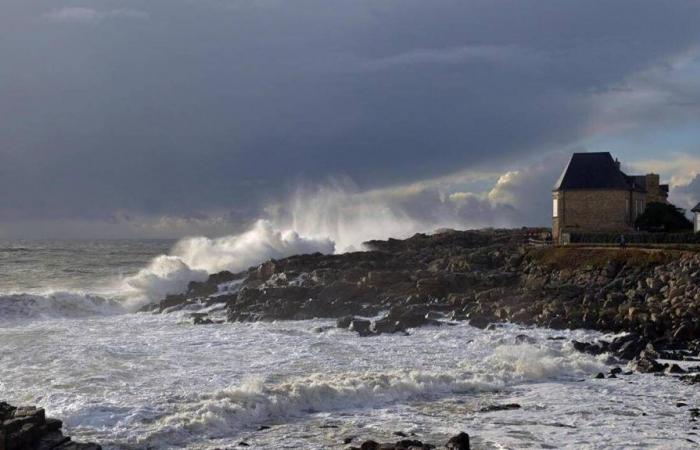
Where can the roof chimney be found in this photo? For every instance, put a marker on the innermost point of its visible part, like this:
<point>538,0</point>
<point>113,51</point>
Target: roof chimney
<point>617,163</point>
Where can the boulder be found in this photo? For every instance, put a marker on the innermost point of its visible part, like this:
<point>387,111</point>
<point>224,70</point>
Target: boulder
<point>361,326</point>
<point>458,442</point>
<point>648,365</point>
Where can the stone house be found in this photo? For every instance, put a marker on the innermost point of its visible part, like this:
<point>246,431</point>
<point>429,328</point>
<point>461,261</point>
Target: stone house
<point>696,218</point>
<point>594,195</point>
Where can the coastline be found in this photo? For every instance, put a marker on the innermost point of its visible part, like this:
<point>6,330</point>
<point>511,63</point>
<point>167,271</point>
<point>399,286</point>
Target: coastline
<point>483,277</point>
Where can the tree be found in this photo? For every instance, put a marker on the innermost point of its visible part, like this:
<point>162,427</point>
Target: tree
<point>663,217</point>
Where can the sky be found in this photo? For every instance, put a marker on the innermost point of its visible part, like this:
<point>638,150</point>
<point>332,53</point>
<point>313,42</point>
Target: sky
<point>166,118</point>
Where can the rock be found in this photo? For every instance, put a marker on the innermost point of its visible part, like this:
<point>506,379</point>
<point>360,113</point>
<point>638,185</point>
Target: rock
<point>599,375</point>
<point>505,407</point>
<point>27,427</point>
<point>525,339</point>
<point>344,322</point>
<point>361,326</point>
<point>172,300</point>
<point>385,325</point>
<point>386,278</point>
<point>648,365</point>
<point>369,445</point>
<point>675,368</point>
<point>458,442</point>
<point>685,331</point>
<point>78,446</point>
<point>52,440</point>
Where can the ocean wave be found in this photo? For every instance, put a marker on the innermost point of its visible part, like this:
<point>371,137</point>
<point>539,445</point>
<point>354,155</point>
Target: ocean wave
<point>56,305</point>
<point>224,413</point>
<point>192,259</point>
<point>254,402</point>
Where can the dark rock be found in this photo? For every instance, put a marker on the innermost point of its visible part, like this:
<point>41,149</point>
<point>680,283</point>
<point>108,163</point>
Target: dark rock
<point>648,365</point>
<point>458,442</point>
<point>344,322</point>
<point>172,300</point>
<point>525,339</point>
<point>675,368</point>
<point>52,440</point>
<point>599,375</point>
<point>369,445</point>
<point>78,446</point>
<point>361,326</point>
<point>504,407</point>
<point>53,424</point>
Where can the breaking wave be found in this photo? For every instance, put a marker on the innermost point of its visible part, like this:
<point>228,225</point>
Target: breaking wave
<point>192,259</point>
<point>55,305</point>
<point>254,402</point>
<point>224,412</point>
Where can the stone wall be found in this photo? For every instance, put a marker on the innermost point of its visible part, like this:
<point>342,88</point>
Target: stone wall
<point>654,193</point>
<point>594,210</point>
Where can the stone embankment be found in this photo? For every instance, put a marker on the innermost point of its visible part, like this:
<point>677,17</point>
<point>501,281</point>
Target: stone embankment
<point>28,428</point>
<point>483,276</point>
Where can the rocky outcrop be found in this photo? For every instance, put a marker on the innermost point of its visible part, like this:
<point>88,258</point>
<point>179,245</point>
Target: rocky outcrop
<point>458,442</point>
<point>28,428</point>
<point>482,276</point>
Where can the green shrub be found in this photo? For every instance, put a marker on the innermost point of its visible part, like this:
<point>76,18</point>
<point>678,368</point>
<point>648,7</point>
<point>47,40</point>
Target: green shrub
<point>663,217</point>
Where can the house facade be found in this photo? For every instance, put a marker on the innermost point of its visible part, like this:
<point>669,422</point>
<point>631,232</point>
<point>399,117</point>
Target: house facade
<point>696,218</point>
<point>594,195</point>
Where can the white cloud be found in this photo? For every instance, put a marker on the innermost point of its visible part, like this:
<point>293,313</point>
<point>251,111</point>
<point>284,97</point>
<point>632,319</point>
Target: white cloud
<point>92,16</point>
<point>499,54</point>
<point>679,168</point>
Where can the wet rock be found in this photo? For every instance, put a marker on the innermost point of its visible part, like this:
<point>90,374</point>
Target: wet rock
<point>675,368</point>
<point>27,427</point>
<point>504,407</point>
<point>361,326</point>
<point>525,339</point>
<point>599,375</point>
<point>458,442</point>
<point>369,445</point>
<point>173,300</point>
<point>648,365</point>
<point>344,322</point>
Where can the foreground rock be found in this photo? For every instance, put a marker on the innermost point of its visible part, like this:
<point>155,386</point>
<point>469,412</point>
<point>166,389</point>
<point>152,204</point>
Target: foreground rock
<point>458,442</point>
<point>481,276</point>
<point>28,428</point>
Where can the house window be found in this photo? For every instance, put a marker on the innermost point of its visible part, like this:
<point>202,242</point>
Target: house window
<point>555,207</point>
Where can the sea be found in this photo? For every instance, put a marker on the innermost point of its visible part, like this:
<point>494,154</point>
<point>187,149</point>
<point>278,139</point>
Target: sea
<point>72,342</point>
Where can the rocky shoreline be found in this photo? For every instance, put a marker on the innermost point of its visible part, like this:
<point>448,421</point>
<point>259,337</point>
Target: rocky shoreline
<point>481,276</point>
<point>28,428</point>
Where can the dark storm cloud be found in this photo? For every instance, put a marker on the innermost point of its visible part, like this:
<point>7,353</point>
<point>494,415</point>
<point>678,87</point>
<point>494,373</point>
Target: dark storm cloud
<point>182,107</point>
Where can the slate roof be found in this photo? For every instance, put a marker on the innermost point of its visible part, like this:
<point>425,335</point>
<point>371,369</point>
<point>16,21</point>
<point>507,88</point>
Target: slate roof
<point>594,171</point>
<point>697,208</point>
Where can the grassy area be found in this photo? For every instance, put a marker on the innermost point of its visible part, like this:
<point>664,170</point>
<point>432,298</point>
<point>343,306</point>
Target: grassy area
<point>576,257</point>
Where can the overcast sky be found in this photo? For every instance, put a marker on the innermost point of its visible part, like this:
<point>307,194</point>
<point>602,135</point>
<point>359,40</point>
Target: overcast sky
<point>173,117</point>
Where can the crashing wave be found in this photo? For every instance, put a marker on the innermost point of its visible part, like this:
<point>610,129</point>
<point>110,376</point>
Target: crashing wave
<point>192,259</point>
<point>254,402</point>
<point>224,412</point>
<point>55,305</point>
